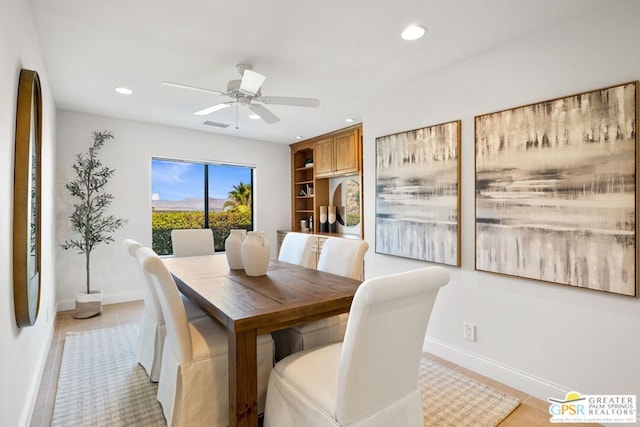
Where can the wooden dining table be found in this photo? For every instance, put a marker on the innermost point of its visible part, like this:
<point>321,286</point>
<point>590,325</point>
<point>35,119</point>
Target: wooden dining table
<point>247,306</point>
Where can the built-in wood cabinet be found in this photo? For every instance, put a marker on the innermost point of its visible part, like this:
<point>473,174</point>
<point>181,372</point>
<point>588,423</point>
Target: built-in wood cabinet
<point>338,154</point>
<point>323,151</point>
<point>317,162</point>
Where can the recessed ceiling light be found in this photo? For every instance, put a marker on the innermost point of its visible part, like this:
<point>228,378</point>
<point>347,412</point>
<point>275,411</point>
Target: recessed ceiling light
<point>413,32</point>
<point>299,137</point>
<point>350,120</point>
<point>254,117</point>
<point>123,90</point>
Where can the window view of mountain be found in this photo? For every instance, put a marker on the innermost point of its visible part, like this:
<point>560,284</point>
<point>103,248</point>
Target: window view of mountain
<point>179,190</point>
<point>189,204</point>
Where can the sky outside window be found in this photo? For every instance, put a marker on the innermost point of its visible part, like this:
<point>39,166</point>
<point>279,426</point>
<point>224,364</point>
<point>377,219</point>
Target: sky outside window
<point>172,180</point>
<point>222,178</point>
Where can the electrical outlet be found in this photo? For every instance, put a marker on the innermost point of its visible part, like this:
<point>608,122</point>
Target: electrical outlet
<point>469,332</point>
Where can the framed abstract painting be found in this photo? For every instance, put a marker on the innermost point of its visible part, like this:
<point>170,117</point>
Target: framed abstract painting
<point>556,190</point>
<point>418,194</point>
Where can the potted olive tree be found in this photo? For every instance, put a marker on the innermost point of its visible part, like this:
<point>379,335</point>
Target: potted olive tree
<point>89,219</point>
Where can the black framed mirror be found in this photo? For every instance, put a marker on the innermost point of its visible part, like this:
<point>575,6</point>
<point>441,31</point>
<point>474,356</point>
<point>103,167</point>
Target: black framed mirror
<point>26,199</point>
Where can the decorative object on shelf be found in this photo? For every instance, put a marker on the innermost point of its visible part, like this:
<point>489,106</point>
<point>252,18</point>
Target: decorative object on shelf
<point>88,219</point>
<point>556,190</point>
<point>311,223</point>
<point>308,162</point>
<point>324,225</point>
<point>331,219</point>
<point>304,226</point>
<point>233,248</point>
<point>256,251</point>
<point>26,199</point>
<point>418,194</point>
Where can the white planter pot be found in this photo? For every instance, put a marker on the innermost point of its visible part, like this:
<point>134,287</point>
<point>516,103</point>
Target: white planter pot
<point>88,305</point>
<point>233,248</point>
<point>256,251</point>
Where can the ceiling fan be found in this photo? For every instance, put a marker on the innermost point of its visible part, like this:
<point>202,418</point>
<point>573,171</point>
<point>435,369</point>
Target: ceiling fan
<point>247,91</point>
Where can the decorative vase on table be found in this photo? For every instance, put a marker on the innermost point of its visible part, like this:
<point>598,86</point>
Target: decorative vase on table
<point>256,251</point>
<point>331,219</point>
<point>324,225</point>
<point>233,248</point>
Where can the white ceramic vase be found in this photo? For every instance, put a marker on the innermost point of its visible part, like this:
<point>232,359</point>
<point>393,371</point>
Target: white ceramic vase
<point>233,248</point>
<point>256,251</point>
<point>331,219</point>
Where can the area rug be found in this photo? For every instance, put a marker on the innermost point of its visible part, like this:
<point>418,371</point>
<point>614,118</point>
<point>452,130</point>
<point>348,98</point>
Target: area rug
<point>101,383</point>
<point>452,399</point>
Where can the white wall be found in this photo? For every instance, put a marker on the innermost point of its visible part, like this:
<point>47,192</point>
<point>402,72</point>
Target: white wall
<point>542,338</point>
<point>130,153</point>
<point>23,350</point>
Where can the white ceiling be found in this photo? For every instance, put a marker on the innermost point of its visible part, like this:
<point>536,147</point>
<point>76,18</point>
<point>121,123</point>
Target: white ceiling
<point>342,52</point>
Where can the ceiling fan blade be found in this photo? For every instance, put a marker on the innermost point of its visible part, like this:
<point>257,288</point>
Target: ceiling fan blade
<point>199,89</point>
<point>264,114</point>
<point>251,81</point>
<point>295,102</point>
<point>213,109</point>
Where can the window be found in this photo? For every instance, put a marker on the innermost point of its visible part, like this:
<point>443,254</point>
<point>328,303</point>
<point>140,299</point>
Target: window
<point>178,200</point>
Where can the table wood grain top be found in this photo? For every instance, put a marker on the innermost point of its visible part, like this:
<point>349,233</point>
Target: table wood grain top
<point>287,295</point>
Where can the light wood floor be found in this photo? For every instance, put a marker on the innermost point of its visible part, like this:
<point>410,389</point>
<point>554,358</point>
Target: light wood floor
<point>532,412</point>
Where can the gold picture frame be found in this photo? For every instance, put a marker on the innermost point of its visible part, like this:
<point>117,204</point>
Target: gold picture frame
<point>418,194</point>
<point>556,190</point>
<point>27,199</point>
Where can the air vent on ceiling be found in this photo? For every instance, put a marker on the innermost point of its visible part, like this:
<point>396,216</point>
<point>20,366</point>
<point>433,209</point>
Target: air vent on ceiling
<point>215,124</point>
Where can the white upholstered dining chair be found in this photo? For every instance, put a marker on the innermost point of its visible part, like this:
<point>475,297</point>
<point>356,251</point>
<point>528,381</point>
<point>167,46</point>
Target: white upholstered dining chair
<point>296,248</point>
<point>339,256</point>
<point>152,327</point>
<point>192,242</point>
<point>371,378</point>
<point>194,380</point>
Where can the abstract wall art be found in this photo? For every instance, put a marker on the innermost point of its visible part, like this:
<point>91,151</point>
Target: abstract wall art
<point>418,194</point>
<point>555,190</point>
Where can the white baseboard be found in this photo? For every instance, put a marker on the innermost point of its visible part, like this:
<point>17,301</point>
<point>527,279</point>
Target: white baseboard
<point>36,380</point>
<point>107,299</point>
<point>523,381</point>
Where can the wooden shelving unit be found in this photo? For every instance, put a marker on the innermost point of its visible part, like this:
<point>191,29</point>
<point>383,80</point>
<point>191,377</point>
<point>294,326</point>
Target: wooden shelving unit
<point>336,154</point>
<point>302,184</point>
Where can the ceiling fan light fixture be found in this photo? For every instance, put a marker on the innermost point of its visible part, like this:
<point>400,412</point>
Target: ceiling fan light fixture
<point>247,92</point>
<point>211,109</point>
<point>251,82</point>
<point>413,32</point>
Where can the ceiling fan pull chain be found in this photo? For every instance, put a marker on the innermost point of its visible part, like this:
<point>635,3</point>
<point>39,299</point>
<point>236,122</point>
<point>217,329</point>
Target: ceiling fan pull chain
<point>237,116</point>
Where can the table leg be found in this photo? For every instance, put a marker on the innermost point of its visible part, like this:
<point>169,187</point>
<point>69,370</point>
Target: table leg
<point>243,379</point>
